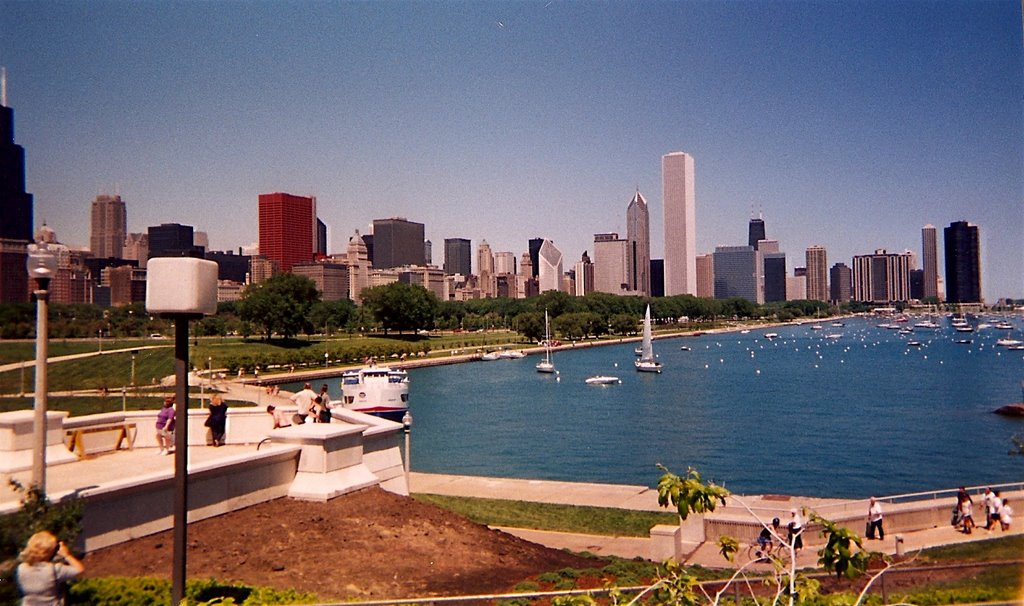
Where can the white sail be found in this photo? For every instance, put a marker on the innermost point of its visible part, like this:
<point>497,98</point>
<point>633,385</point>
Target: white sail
<point>546,365</point>
<point>646,362</point>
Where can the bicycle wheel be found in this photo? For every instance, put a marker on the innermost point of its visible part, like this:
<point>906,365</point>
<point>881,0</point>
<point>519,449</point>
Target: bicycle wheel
<point>754,552</point>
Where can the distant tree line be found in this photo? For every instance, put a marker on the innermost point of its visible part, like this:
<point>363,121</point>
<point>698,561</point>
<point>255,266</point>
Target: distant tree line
<point>289,305</point>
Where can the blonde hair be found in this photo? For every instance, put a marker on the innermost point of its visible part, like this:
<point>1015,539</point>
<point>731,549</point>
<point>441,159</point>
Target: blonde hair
<point>41,547</point>
<point>216,400</point>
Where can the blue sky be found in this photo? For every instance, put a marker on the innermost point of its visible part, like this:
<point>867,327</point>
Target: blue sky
<point>849,124</point>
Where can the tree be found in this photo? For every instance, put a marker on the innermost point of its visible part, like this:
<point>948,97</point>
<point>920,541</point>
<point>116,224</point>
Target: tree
<point>623,324</point>
<point>329,316</point>
<point>401,307</point>
<point>280,304</point>
<point>530,324</point>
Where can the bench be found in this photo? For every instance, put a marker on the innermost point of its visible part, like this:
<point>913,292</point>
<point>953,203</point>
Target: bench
<point>76,439</point>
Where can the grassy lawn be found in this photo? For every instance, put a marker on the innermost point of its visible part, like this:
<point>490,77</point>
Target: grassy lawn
<point>88,405</point>
<point>543,516</point>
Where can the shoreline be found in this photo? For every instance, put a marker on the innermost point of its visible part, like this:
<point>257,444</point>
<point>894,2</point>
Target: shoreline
<point>460,358</point>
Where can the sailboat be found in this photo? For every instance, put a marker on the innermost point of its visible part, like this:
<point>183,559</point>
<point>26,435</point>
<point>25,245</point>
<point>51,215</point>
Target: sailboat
<point>646,362</point>
<point>546,365</point>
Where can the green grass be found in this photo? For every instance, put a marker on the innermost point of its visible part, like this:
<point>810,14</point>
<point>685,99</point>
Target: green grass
<point>994,549</point>
<point>544,516</point>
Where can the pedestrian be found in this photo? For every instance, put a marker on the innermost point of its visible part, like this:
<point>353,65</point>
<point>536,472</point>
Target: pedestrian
<point>40,578</point>
<point>966,513</point>
<point>280,420</point>
<point>796,529</point>
<point>217,419</point>
<point>991,508</point>
<point>1005,515</point>
<point>875,519</point>
<point>304,402</point>
<point>165,427</point>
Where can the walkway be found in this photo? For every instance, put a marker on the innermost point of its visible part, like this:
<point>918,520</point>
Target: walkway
<point>643,498</point>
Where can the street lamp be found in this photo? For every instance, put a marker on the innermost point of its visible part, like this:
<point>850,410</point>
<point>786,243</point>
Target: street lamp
<point>407,428</point>
<point>42,267</point>
<point>134,353</point>
<point>181,288</point>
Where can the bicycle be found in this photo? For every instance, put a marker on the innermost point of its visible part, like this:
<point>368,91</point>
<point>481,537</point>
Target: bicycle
<point>774,551</point>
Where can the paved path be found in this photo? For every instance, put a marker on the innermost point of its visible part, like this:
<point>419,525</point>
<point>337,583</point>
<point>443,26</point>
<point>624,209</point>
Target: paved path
<point>646,499</point>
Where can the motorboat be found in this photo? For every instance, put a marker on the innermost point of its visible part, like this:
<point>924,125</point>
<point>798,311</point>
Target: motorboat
<point>647,361</point>
<point>491,356</point>
<point>511,354</point>
<point>602,380</point>
<point>926,324</point>
<point>377,390</point>
<point>834,335</point>
<point>546,365</point>
<point>964,341</point>
<point>964,328</point>
<point>913,344</point>
<point>1003,326</point>
<point>1008,343</point>
<point>838,324</point>
<point>684,348</point>
<point>771,335</point>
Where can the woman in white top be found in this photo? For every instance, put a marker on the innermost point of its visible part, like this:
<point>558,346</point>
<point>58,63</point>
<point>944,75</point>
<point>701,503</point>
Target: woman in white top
<point>1005,515</point>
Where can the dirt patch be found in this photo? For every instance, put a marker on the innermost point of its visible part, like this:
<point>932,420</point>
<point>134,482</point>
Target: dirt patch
<point>370,544</point>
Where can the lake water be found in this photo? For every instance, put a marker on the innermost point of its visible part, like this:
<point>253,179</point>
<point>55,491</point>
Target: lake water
<point>801,414</point>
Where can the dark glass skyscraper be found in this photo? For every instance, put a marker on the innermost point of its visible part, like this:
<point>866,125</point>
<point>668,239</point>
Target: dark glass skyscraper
<point>755,232</point>
<point>397,242</point>
<point>15,203</point>
<point>963,262</point>
<point>457,256</point>
<point>535,244</point>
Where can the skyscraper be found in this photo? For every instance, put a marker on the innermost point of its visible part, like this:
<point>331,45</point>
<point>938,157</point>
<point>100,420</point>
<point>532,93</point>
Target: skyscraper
<point>677,175</point>
<point>881,278</point>
<point>15,202</point>
<point>485,270</point>
<point>755,231</point>
<point>705,276</point>
<point>817,273</point>
<point>109,227</point>
<point>584,276</point>
<point>638,242</point>
<point>841,279</point>
<point>963,262</point>
<point>735,272</point>
<point>549,274</point>
<point>457,259</point>
<point>504,263</point>
<point>172,240</point>
<point>774,275</point>
<point>611,263</point>
<point>535,244</point>
<point>929,254</point>
<point>15,209</point>
<point>397,242</point>
<point>287,229</point>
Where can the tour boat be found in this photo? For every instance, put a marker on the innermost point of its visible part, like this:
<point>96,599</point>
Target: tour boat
<point>646,362</point>
<point>546,365</point>
<point>377,390</point>
<point>602,380</point>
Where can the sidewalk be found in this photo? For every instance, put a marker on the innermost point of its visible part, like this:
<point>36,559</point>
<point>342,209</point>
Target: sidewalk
<point>642,498</point>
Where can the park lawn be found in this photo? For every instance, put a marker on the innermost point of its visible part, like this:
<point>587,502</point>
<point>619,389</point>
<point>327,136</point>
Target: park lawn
<point>87,405</point>
<point>545,516</point>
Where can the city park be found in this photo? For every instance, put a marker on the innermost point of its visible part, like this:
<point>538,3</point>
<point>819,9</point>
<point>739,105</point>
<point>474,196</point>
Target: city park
<point>282,327</point>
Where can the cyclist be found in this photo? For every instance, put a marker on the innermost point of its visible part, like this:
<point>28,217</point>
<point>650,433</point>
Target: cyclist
<point>764,540</point>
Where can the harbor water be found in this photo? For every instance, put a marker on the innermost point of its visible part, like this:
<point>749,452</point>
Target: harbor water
<point>809,412</point>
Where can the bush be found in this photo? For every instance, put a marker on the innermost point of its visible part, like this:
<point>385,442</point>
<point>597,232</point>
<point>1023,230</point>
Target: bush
<point>146,591</point>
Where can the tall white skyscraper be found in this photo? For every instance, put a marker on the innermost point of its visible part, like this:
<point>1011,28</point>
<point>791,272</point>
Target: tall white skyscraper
<point>638,241</point>
<point>677,178</point>
<point>549,274</point>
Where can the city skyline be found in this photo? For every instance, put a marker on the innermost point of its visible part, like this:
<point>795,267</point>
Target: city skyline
<point>847,128</point>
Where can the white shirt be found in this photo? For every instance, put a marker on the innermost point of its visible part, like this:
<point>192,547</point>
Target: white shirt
<point>875,512</point>
<point>1006,514</point>
<point>304,400</point>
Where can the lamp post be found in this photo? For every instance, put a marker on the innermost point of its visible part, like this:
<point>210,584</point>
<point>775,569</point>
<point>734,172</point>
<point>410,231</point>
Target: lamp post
<point>42,266</point>
<point>181,288</point>
<point>134,353</point>
<point>407,429</point>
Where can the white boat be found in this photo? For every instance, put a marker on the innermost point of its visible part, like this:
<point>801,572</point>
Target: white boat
<point>838,324</point>
<point>546,365</point>
<point>834,335</point>
<point>377,390</point>
<point>1004,326</point>
<point>913,344</point>
<point>926,324</point>
<point>602,380</point>
<point>490,356</point>
<point>964,328</point>
<point>771,335</point>
<point>816,327</point>
<point>646,362</point>
<point>1008,343</point>
<point>512,354</point>
<point>684,348</point>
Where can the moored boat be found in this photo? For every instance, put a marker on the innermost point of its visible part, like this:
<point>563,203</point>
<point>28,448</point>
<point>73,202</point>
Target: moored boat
<point>377,390</point>
<point>602,380</point>
<point>647,361</point>
<point>546,365</point>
